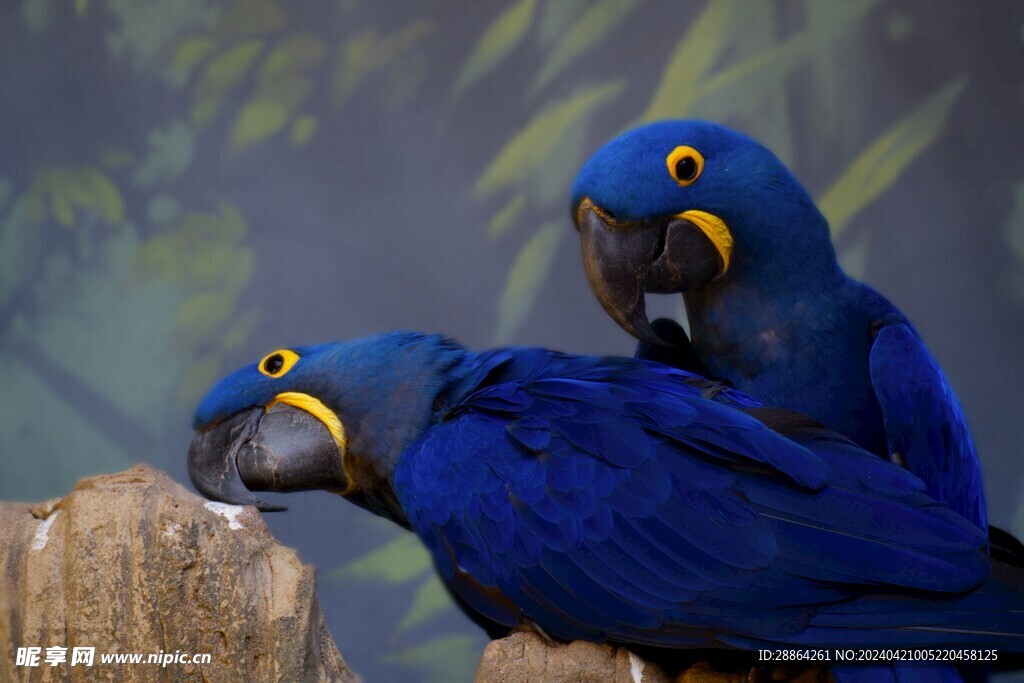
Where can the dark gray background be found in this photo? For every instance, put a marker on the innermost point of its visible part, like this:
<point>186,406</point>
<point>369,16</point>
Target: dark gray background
<point>374,224</point>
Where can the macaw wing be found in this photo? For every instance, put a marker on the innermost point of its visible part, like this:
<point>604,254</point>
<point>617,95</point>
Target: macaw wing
<point>605,510</point>
<point>924,423</point>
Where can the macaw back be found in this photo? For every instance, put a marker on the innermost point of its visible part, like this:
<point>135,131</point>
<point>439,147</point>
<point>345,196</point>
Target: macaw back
<point>626,501</point>
<point>847,357</point>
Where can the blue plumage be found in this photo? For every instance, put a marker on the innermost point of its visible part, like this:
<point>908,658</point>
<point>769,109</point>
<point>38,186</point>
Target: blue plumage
<point>781,322</point>
<point>689,524</point>
<point>620,500</point>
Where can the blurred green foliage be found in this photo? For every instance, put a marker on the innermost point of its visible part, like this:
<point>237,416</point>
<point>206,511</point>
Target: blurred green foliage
<point>107,255</point>
<point>496,43</point>
<point>881,164</point>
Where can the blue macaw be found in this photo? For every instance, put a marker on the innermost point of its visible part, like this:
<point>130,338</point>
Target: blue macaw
<point>694,207</point>
<point>612,499</point>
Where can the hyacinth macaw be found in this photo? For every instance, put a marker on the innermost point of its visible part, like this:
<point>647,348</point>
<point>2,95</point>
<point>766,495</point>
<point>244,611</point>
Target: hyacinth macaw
<point>612,499</point>
<point>694,207</point>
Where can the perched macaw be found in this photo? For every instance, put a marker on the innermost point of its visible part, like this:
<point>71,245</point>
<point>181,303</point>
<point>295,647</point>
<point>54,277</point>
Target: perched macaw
<point>694,207</point>
<point>612,499</point>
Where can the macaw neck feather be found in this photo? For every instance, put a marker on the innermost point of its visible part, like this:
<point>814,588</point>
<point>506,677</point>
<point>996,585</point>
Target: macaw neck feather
<point>805,349</point>
<point>398,382</point>
<point>782,245</point>
<point>783,275</point>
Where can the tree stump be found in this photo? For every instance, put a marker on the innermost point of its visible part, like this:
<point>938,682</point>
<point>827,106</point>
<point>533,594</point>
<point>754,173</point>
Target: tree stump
<point>133,563</point>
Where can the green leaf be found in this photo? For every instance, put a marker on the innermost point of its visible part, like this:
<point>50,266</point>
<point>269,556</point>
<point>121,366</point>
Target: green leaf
<point>106,196</point>
<point>442,660</point>
<point>222,73</point>
<point>695,54</point>
<point>64,188</point>
<point>530,148</point>
<point>203,252</point>
<point>882,163</point>
<point>281,88</point>
<point>230,67</point>
<point>192,51</point>
<point>297,52</point>
<point>551,181</point>
<point>257,120</point>
<point>557,17</point>
<point>204,259</point>
<point>431,598</point>
<point>754,79</point>
<point>525,278</point>
<point>497,42</point>
<point>365,53</point>
<point>506,216</point>
<point>1015,221</point>
<point>592,27</point>
<point>302,130</point>
<point>403,559</point>
<point>688,86</point>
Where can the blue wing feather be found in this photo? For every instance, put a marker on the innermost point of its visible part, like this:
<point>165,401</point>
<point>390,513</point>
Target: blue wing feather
<point>660,517</point>
<point>924,422</point>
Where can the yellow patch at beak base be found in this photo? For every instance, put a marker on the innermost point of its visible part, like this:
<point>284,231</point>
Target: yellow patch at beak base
<point>715,229</point>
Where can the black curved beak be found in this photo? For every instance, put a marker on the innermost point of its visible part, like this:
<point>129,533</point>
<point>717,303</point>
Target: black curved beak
<point>625,259</point>
<point>282,449</point>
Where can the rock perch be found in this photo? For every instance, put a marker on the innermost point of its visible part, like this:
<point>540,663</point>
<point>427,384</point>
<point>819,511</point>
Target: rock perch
<point>134,563</point>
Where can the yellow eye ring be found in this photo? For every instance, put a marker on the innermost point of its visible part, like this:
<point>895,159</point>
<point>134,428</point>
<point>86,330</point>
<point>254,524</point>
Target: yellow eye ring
<point>278,362</point>
<point>685,165</point>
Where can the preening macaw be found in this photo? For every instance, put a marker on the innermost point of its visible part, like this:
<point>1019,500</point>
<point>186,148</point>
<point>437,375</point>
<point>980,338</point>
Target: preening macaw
<point>694,207</point>
<point>612,499</point>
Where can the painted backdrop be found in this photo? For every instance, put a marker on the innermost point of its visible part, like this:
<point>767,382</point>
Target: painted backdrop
<point>187,184</point>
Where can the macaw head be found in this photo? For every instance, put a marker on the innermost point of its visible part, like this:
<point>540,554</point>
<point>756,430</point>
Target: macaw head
<point>677,206</point>
<point>333,416</point>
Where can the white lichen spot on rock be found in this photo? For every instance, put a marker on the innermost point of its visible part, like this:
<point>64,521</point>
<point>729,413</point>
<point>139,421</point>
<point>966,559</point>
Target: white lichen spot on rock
<point>636,668</point>
<point>43,532</point>
<point>228,512</point>
<point>171,530</point>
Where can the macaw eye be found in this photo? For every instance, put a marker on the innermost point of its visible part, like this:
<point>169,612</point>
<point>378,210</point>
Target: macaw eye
<point>685,164</point>
<point>278,363</point>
